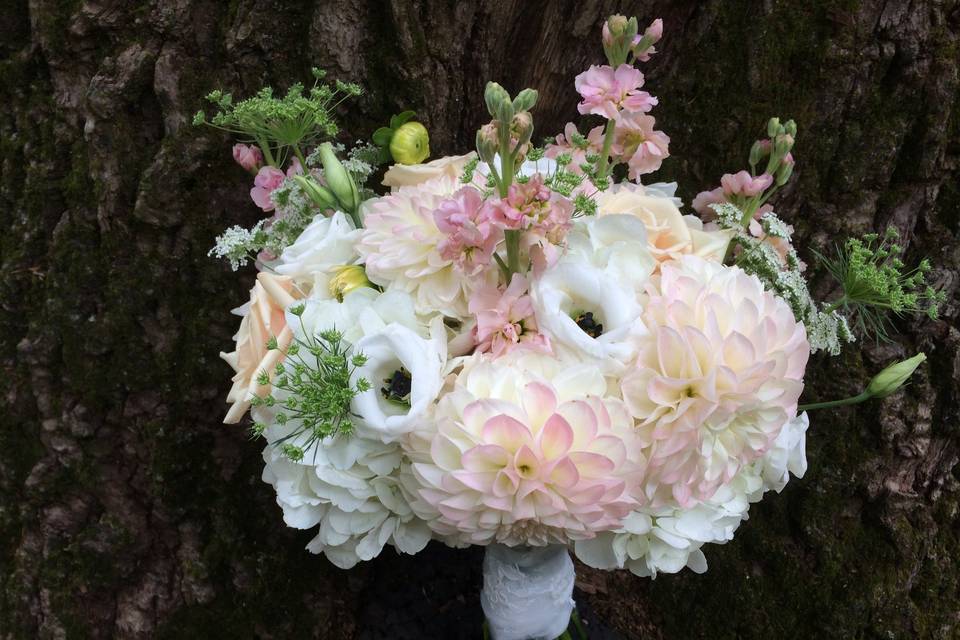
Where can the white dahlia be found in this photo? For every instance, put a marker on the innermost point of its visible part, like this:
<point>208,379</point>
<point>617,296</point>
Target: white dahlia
<point>668,538</point>
<point>717,376</point>
<point>526,450</point>
<point>400,242</point>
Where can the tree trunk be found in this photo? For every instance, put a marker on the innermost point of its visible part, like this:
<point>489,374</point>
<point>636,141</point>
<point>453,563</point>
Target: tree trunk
<point>129,510</point>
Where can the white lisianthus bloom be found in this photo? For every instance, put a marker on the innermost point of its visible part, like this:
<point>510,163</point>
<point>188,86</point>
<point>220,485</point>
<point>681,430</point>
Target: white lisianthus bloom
<point>668,539</point>
<point>589,301</point>
<point>397,355</point>
<point>351,486</point>
<point>325,243</point>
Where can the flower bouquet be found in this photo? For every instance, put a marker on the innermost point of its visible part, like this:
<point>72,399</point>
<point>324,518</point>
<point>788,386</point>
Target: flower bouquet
<point>526,347</point>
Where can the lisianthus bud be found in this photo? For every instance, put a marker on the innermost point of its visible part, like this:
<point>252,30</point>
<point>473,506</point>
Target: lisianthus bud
<point>495,95</point>
<point>320,195</point>
<point>410,144</point>
<point>338,178</point>
<point>346,279</point>
<point>894,376</point>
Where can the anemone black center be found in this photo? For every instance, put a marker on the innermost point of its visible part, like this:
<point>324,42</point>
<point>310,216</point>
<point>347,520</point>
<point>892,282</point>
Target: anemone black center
<point>397,386</point>
<point>589,325</point>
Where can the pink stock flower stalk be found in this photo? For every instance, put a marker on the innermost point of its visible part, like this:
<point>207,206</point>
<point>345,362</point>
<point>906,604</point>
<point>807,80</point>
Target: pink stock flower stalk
<point>653,34</point>
<point>505,319</point>
<point>637,143</point>
<point>470,237</point>
<point>606,91</point>
<point>248,157</point>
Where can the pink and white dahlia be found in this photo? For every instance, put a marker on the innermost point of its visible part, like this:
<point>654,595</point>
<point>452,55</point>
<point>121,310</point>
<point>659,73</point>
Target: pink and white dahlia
<point>526,450</point>
<point>400,246</point>
<point>717,376</point>
<point>606,91</point>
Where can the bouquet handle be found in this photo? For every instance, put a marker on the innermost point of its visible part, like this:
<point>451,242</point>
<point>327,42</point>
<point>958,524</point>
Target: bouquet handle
<point>527,591</point>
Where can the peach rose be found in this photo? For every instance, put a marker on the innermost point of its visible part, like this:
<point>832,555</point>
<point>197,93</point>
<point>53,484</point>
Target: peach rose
<point>269,298</point>
<point>405,175</point>
<point>669,233</point>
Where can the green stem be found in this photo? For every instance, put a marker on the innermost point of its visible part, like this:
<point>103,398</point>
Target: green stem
<point>512,241</point>
<point>504,269</point>
<point>267,154</point>
<point>299,154</point>
<point>605,153</point>
<point>863,397</point>
<point>579,625</point>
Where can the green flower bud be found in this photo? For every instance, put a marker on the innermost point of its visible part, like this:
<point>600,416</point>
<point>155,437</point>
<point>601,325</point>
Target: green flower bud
<point>410,144</point>
<point>784,173</point>
<point>791,128</point>
<point>338,178</point>
<point>488,140</point>
<point>521,128</point>
<point>894,376</point>
<point>756,153</point>
<point>495,95</point>
<point>320,195</point>
<point>773,127</point>
<point>525,100</point>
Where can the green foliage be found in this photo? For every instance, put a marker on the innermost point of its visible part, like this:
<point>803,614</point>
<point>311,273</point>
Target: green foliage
<point>281,125</point>
<point>312,390</point>
<point>875,283</point>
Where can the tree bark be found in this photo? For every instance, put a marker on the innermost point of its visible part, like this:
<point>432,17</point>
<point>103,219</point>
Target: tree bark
<point>129,510</point>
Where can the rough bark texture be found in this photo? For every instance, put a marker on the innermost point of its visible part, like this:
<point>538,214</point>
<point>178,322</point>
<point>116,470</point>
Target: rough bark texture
<point>128,510</point>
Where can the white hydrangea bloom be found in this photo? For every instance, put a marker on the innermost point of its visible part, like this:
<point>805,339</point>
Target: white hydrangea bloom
<point>668,539</point>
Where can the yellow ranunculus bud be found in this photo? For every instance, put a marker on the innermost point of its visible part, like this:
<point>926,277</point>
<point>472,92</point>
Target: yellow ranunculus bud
<point>893,377</point>
<point>347,278</point>
<point>410,144</point>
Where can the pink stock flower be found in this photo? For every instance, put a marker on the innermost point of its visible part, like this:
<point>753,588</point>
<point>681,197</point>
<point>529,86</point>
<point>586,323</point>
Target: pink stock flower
<point>732,185</point>
<point>718,375</point>
<point>471,239</point>
<point>505,319</point>
<point>248,157</point>
<point>518,458</point>
<point>533,207</point>
<point>606,91</point>
<point>638,144</point>
<point>742,183</point>
<point>267,180</point>
<point>565,144</point>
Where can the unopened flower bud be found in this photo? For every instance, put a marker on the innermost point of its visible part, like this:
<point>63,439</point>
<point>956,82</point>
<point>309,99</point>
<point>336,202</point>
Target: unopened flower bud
<point>782,145</point>
<point>525,100</point>
<point>248,157</point>
<point>773,127</point>
<point>894,376</point>
<point>495,95</point>
<point>655,31</point>
<point>338,178</point>
<point>318,194</point>
<point>488,141</point>
<point>521,128</point>
<point>347,278</point>
<point>784,173</point>
<point>791,128</point>
<point>616,25</point>
<point>410,144</point>
<point>757,152</point>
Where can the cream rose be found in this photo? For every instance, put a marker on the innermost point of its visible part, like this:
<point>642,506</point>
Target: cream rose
<point>670,234</point>
<point>263,318</point>
<point>406,175</point>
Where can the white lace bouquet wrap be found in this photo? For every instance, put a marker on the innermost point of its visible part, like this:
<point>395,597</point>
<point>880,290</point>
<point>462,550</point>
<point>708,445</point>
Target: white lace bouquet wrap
<point>527,591</point>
